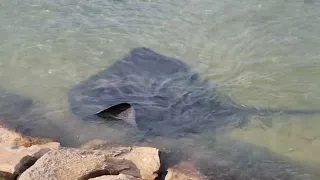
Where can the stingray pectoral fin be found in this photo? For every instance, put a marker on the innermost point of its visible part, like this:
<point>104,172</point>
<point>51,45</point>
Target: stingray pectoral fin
<point>122,111</point>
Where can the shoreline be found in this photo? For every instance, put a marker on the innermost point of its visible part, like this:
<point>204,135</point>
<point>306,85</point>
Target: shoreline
<point>31,158</point>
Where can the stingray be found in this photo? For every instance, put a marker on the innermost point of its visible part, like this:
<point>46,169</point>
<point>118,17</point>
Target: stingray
<point>160,95</point>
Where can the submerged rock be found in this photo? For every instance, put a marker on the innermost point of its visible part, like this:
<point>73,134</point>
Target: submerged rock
<point>11,137</point>
<point>184,171</point>
<point>97,144</point>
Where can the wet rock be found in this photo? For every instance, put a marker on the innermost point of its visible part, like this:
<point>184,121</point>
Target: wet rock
<point>116,177</point>
<point>16,159</point>
<point>99,144</point>
<point>183,171</point>
<point>70,163</point>
<point>7,136</point>
<point>12,137</point>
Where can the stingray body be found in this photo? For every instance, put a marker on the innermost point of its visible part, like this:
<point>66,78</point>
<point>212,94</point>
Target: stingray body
<point>157,94</point>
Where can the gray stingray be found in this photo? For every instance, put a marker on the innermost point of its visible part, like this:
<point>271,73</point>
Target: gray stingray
<point>159,95</point>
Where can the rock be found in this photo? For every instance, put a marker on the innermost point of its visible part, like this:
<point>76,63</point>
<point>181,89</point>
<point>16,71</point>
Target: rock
<point>116,177</point>
<point>19,152</point>
<point>6,175</point>
<point>183,171</point>
<point>8,137</point>
<point>12,137</point>
<point>70,163</point>
<point>145,158</point>
<point>16,159</point>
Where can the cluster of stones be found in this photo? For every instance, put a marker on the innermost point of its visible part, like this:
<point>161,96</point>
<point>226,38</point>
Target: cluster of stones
<point>32,158</point>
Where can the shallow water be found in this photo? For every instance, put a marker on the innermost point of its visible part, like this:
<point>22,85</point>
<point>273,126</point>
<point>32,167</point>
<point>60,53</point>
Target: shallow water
<point>263,54</point>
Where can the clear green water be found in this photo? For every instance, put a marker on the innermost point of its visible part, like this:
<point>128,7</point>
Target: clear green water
<point>261,53</point>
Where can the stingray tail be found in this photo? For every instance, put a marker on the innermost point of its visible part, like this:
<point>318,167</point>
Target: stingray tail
<point>269,111</point>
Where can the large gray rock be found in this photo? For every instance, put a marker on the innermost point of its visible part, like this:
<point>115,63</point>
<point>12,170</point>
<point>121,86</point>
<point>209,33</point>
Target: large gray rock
<point>70,163</point>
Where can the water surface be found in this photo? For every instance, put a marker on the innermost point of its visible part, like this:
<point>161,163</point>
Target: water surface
<point>260,53</point>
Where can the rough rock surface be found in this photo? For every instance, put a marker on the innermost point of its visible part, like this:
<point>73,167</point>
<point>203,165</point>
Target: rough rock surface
<point>146,159</point>
<point>11,137</point>
<point>184,171</point>
<point>70,163</point>
<point>116,177</point>
<point>17,153</point>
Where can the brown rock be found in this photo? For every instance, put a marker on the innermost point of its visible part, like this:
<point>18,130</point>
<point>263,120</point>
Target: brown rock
<point>116,177</point>
<point>28,141</point>
<point>7,136</point>
<point>16,159</point>
<point>69,164</point>
<point>146,159</point>
<point>12,137</point>
<point>184,171</point>
<point>6,175</point>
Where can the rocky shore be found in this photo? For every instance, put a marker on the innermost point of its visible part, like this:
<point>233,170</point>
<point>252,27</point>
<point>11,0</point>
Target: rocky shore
<point>34,158</point>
